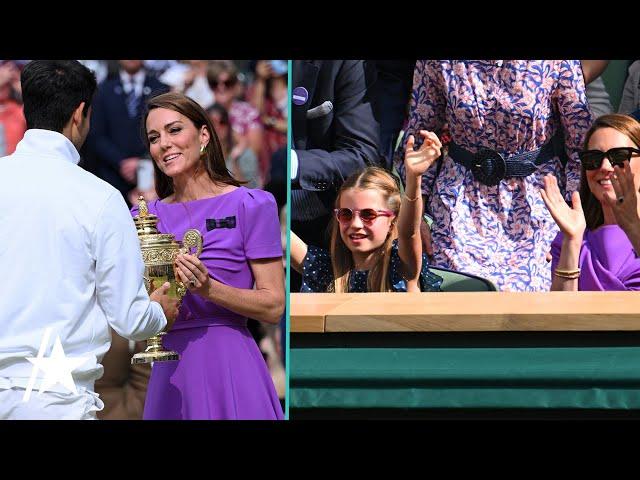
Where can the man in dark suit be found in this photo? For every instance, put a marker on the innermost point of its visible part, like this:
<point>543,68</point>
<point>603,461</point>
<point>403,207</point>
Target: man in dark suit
<point>115,137</point>
<point>334,134</point>
<point>391,96</point>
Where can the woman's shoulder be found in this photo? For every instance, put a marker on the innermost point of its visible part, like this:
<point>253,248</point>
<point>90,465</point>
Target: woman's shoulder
<point>254,197</point>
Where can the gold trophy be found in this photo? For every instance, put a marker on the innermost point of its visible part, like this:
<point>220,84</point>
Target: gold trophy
<point>159,252</point>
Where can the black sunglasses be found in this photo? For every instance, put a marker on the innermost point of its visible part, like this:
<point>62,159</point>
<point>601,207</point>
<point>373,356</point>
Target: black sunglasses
<point>227,83</point>
<point>592,159</point>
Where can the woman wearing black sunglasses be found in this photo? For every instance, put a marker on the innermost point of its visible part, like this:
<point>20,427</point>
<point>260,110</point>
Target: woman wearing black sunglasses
<point>600,235</point>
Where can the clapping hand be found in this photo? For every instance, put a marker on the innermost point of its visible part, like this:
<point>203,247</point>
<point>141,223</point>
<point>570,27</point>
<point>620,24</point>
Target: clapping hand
<point>417,162</point>
<point>625,205</point>
<point>570,220</point>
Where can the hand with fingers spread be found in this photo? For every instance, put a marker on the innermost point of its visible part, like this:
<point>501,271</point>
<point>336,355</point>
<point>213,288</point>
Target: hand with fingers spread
<point>570,219</point>
<point>418,161</point>
<point>625,205</point>
<point>193,274</point>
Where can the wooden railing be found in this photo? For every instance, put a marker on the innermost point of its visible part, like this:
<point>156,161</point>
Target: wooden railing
<point>464,311</point>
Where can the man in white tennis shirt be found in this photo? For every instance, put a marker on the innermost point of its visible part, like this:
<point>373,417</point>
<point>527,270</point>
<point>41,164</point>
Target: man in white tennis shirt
<point>69,251</point>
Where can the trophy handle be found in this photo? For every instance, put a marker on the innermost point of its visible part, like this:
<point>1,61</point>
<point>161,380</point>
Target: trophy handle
<point>192,238</point>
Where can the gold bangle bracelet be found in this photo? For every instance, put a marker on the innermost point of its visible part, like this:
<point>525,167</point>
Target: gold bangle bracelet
<point>568,272</point>
<point>412,199</point>
<point>568,275</point>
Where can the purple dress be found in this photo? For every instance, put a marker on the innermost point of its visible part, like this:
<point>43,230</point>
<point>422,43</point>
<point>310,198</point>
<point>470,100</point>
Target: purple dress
<point>607,260</point>
<point>221,373</point>
<point>500,232</point>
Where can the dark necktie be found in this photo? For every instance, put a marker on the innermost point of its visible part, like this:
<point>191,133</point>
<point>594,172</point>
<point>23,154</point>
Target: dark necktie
<point>132,101</point>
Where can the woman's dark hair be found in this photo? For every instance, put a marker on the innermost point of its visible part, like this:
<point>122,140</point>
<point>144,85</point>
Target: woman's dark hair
<point>213,159</point>
<point>53,89</point>
<point>590,204</point>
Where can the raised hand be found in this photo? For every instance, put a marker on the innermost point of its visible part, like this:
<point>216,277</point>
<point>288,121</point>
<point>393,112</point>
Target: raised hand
<point>570,220</point>
<point>625,205</point>
<point>417,162</point>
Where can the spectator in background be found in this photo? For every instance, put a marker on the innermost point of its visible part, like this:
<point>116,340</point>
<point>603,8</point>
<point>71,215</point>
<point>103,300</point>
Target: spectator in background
<point>597,95</point>
<point>502,115</point>
<point>242,85</point>
<point>392,91</point>
<point>156,68</point>
<point>222,76</point>
<point>269,96</point>
<point>241,161</point>
<point>115,124</point>
<point>630,103</point>
<point>12,122</point>
<point>190,78</point>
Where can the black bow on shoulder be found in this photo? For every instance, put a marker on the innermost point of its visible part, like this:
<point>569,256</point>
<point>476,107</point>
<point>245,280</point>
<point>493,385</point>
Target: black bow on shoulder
<point>228,222</point>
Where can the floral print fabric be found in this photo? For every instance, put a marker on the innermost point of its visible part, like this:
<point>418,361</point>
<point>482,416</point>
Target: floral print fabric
<point>503,232</point>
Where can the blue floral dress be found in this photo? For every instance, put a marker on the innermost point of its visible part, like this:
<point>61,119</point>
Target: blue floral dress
<point>317,273</point>
<point>502,232</point>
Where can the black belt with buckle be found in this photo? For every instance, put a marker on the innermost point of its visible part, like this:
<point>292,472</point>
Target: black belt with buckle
<point>489,166</point>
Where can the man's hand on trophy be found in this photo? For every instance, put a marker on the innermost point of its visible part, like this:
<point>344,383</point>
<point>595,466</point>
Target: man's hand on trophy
<point>168,304</point>
<point>192,272</point>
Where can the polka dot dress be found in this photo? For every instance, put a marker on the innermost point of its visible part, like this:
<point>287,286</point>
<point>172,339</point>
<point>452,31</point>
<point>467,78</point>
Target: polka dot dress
<point>317,274</point>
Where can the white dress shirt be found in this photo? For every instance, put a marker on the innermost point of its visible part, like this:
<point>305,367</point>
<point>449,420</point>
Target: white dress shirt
<point>133,81</point>
<point>71,260</point>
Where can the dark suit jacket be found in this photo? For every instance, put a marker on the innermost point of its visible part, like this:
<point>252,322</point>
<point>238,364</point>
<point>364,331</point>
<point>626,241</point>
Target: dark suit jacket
<point>332,147</point>
<point>115,136</point>
<point>391,96</point>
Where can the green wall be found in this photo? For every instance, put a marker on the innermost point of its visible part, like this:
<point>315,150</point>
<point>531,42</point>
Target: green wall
<point>614,77</point>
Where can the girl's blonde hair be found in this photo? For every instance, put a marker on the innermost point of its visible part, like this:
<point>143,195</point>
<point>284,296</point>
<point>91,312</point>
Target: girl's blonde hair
<point>373,178</point>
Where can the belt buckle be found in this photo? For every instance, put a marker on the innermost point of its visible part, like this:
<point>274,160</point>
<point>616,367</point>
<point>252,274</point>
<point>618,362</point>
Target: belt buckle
<point>489,167</point>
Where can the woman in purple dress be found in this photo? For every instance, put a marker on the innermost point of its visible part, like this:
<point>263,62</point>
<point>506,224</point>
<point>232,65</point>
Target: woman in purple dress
<point>221,373</point>
<point>502,115</point>
<point>600,235</point>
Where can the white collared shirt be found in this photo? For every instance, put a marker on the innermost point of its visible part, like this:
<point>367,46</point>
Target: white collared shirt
<point>71,260</point>
<point>136,80</point>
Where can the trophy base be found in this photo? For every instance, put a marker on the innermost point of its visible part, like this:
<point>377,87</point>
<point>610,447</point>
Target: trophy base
<point>148,357</point>
<point>154,352</point>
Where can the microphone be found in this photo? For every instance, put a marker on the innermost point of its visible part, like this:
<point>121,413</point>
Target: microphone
<point>320,110</point>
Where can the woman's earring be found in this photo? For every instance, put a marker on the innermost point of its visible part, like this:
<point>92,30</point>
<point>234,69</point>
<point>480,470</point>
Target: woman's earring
<point>202,149</point>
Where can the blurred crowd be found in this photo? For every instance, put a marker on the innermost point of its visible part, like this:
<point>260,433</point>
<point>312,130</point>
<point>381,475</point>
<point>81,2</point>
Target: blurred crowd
<point>247,101</point>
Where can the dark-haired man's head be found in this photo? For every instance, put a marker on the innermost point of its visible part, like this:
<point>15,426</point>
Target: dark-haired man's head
<point>57,96</point>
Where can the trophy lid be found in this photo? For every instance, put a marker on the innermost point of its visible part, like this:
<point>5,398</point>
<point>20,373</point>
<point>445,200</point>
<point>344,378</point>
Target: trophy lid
<point>146,223</point>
